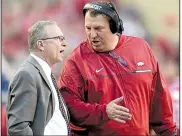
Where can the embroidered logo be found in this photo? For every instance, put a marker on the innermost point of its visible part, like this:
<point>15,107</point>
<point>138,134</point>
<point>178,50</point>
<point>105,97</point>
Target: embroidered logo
<point>98,70</point>
<point>97,7</point>
<point>139,64</point>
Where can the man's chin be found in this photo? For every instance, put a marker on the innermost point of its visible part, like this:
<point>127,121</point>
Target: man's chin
<point>97,49</point>
<point>100,50</point>
<point>59,60</point>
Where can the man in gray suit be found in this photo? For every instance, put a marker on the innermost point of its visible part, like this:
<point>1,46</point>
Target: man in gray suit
<point>34,105</point>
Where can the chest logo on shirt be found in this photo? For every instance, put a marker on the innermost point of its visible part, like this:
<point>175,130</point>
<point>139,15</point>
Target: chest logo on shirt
<point>139,64</point>
<point>98,70</point>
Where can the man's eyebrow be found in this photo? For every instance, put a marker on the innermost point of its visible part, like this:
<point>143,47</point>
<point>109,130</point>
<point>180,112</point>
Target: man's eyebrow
<point>99,26</point>
<point>95,26</point>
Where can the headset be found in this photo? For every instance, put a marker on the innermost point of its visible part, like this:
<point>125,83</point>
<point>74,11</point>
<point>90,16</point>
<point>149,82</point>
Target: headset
<point>108,9</point>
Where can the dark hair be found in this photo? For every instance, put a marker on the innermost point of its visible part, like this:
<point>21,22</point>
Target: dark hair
<point>94,13</point>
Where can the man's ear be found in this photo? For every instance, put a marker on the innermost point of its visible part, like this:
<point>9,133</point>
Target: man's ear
<point>40,45</point>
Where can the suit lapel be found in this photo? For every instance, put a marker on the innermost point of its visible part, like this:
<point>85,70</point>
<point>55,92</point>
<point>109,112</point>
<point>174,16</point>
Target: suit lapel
<point>42,73</point>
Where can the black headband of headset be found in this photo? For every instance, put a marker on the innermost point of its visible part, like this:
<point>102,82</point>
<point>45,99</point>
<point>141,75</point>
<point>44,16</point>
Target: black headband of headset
<point>103,9</point>
<point>108,10</point>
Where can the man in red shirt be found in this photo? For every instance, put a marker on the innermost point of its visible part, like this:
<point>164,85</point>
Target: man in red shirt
<point>111,83</point>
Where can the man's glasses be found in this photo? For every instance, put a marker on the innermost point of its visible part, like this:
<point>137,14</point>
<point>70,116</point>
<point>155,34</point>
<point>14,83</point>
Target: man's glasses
<point>61,38</point>
<point>120,59</point>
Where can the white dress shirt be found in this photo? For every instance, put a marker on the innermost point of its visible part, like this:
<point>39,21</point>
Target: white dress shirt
<point>57,124</point>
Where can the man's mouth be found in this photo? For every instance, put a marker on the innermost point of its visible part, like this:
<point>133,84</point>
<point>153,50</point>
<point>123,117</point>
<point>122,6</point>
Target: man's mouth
<point>61,51</point>
<point>95,42</point>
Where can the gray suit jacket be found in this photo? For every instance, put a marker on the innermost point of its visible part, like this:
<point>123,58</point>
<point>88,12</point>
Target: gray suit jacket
<point>30,101</point>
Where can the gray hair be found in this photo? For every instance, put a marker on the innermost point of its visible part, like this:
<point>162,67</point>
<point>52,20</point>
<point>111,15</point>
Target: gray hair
<point>37,31</point>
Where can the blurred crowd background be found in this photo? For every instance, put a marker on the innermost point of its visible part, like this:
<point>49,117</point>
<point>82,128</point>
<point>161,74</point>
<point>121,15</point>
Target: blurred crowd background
<point>157,21</point>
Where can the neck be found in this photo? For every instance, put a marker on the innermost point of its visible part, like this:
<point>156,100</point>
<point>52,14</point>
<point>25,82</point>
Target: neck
<point>115,41</point>
<point>43,57</point>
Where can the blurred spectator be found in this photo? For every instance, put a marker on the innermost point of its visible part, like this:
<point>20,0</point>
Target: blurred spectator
<point>4,83</point>
<point>174,90</point>
<point>3,123</point>
<point>6,75</point>
<point>167,55</point>
<point>133,22</point>
<point>4,87</point>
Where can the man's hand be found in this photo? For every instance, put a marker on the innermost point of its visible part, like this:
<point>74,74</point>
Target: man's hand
<point>116,112</point>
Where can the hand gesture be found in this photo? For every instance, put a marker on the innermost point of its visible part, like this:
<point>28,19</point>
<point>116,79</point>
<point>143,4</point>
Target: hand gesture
<point>116,112</point>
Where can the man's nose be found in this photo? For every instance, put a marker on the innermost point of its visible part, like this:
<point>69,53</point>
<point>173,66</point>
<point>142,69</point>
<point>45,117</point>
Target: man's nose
<point>93,33</point>
<point>64,44</point>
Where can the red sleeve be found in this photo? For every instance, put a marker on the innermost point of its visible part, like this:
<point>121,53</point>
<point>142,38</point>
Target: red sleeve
<point>161,115</point>
<point>73,88</point>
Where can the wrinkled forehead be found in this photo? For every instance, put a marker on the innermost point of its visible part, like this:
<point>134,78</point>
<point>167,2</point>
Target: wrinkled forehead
<point>53,30</point>
<point>96,20</point>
